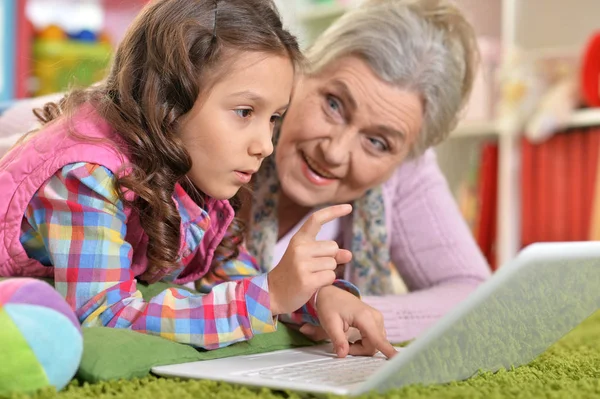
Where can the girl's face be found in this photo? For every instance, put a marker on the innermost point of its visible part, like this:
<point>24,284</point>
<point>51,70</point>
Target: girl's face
<point>229,130</point>
<point>345,133</point>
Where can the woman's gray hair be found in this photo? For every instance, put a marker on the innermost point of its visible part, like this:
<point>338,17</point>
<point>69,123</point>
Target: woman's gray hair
<point>425,46</point>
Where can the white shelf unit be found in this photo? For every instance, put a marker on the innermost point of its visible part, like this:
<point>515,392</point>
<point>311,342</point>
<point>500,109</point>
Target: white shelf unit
<point>585,118</point>
<point>535,27</point>
<point>323,11</point>
<point>308,18</point>
<point>475,129</point>
<point>531,26</point>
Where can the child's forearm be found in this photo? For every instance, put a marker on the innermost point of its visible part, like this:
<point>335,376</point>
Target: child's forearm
<point>231,312</point>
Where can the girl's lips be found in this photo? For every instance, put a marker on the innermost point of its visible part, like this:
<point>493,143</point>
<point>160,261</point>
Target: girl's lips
<point>243,177</point>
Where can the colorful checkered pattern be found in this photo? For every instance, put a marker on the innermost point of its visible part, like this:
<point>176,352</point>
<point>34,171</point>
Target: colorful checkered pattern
<point>77,224</point>
<point>239,267</point>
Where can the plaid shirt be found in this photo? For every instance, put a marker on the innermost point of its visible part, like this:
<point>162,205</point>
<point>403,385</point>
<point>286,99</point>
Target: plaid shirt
<point>77,224</point>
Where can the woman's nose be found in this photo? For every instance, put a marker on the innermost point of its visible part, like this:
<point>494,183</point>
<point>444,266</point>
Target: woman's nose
<point>336,148</point>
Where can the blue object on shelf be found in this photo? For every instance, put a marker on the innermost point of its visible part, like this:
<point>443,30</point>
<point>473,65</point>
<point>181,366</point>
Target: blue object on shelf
<point>8,12</point>
<point>84,35</point>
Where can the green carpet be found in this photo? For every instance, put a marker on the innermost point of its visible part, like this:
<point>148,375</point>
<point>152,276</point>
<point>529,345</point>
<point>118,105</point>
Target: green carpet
<point>570,368</point>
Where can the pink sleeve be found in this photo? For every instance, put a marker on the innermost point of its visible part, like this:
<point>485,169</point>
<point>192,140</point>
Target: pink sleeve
<point>430,245</point>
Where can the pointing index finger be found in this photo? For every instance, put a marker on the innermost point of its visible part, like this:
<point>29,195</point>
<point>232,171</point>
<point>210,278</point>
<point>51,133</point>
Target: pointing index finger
<point>313,225</point>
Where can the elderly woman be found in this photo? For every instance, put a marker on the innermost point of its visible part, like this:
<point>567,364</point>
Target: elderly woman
<point>385,83</point>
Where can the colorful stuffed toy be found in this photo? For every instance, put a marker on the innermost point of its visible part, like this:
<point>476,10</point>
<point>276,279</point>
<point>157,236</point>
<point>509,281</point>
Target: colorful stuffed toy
<point>40,337</point>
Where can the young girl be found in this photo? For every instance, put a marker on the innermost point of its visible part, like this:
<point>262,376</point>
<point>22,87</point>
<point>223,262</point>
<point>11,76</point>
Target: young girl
<point>128,181</point>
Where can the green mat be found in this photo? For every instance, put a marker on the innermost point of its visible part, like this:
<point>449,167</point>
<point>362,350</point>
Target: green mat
<point>114,353</point>
<point>570,368</point>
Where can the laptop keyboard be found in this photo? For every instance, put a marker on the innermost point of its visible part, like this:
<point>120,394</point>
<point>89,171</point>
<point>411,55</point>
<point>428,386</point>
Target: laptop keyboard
<point>331,371</point>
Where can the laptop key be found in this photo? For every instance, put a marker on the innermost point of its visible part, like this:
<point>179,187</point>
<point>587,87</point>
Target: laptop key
<point>331,371</point>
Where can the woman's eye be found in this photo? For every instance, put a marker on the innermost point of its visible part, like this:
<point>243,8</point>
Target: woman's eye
<point>243,112</point>
<point>275,118</point>
<point>333,103</point>
<point>379,144</point>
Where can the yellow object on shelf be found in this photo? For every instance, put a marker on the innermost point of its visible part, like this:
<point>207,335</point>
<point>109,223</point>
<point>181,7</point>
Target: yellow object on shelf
<point>52,32</point>
<point>61,64</point>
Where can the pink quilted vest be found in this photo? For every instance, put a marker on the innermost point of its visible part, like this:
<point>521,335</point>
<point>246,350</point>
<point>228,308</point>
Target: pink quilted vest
<point>25,168</point>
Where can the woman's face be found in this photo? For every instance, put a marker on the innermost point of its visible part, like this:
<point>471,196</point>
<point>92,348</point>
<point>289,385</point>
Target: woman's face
<point>345,132</point>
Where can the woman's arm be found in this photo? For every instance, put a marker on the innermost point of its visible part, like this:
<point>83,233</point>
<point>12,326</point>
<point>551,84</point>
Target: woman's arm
<point>431,247</point>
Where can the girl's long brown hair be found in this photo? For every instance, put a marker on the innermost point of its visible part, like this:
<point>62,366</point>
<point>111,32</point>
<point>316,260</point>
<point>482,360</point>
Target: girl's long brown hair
<point>174,51</point>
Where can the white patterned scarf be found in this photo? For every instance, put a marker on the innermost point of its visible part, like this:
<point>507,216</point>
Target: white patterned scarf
<point>370,263</point>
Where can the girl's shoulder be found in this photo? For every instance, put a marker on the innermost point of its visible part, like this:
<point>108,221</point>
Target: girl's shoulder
<point>94,176</point>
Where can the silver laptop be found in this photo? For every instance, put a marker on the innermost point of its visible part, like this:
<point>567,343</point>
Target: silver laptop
<point>525,307</point>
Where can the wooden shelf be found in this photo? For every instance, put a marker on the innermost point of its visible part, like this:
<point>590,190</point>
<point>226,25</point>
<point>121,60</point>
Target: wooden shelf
<point>475,129</point>
<point>584,118</point>
<point>324,11</point>
<point>581,118</point>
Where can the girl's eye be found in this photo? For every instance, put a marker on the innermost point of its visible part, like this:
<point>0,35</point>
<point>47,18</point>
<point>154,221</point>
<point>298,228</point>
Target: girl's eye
<point>275,118</point>
<point>243,112</point>
<point>378,144</point>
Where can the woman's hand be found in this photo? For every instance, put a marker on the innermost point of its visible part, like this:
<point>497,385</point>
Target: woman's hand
<point>339,311</point>
<point>307,264</point>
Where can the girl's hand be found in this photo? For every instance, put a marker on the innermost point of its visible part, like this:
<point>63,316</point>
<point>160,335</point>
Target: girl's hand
<point>339,311</point>
<point>307,264</point>
<point>317,333</point>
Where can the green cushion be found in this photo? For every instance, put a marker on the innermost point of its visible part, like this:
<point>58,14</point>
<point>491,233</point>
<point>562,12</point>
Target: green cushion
<point>110,353</point>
